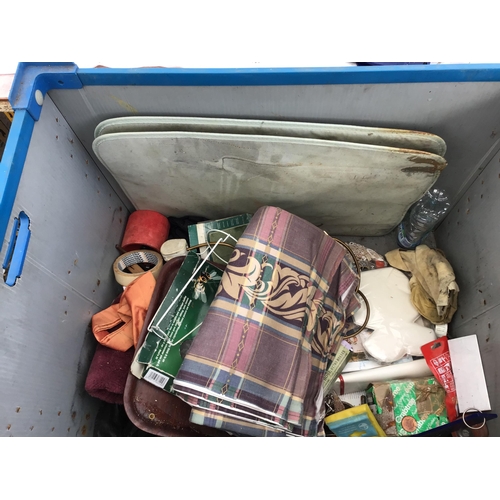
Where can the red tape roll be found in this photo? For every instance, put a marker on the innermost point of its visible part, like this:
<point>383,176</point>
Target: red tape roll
<point>145,229</point>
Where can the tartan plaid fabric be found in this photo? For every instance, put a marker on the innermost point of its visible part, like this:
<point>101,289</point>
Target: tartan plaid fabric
<point>256,366</point>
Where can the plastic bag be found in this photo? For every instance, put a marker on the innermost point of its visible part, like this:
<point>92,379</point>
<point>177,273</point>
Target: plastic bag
<point>437,356</point>
<point>367,258</point>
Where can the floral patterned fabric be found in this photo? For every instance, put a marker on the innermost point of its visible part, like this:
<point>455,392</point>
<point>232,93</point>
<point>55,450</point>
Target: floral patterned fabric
<point>256,366</point>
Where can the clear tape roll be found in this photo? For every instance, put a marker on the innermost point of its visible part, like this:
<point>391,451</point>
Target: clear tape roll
<point>136,257</point>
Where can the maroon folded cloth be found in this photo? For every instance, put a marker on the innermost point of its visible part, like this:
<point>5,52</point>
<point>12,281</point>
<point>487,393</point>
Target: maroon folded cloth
<point>108,374</point>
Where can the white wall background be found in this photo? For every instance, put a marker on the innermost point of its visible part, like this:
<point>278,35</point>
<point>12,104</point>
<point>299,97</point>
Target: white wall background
<point>221,33</point>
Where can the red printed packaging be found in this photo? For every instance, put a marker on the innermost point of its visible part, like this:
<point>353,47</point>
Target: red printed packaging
<point>437,355</point>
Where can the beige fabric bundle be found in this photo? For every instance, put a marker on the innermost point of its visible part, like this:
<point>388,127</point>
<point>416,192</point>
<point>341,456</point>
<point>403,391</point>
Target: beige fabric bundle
<point>434,291</point>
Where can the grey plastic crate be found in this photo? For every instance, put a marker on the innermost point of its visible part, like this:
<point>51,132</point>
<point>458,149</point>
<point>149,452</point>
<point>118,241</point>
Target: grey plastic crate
<point>77,212</point>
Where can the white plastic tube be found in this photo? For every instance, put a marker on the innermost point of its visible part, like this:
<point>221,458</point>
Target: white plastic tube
<point>360,380</point>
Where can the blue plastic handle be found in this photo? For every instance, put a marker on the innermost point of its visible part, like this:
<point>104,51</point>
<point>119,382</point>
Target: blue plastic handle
<point>17,250</point>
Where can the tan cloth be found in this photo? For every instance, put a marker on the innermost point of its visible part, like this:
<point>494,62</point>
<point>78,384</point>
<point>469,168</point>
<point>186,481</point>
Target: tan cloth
<point>434,291</point>
<point>120,325</point>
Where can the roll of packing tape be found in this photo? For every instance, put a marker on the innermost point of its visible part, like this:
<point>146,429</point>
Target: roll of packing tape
<point>145,229</point>
<point>174,248</point>
<point>129,259</point>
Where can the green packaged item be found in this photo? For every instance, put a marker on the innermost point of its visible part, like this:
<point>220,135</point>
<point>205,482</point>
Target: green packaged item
<point>177,322</point>
<point>408,407</point>
<point>229,229</point>
<point>342,356</point>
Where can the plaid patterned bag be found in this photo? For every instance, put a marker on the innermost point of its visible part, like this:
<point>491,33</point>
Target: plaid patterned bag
<point>256,366</point>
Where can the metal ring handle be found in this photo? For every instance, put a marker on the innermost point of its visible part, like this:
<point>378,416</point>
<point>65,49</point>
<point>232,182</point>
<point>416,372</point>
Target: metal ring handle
<point>361,328</point>
<point>470,426</point>
<point>358,291</point>
<point>356,263</point>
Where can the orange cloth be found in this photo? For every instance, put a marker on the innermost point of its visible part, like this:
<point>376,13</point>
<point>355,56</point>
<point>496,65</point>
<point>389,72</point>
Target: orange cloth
<point>126,318</point>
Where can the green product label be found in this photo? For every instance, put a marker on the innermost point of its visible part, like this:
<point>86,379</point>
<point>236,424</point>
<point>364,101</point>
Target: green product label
<point>229,229</point>
<point>338,364</point>
<point>178,320</point>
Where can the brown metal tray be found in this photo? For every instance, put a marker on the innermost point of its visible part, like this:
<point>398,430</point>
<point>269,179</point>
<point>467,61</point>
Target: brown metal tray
<point>150,408</point>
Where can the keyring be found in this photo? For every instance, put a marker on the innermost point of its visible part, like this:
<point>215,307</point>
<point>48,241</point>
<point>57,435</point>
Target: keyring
<point>470,426</point>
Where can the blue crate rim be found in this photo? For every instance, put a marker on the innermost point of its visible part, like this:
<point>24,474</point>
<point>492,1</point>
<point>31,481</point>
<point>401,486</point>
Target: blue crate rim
<point>32,81</point>
<point>290,76</point>
<point>43,77</point>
